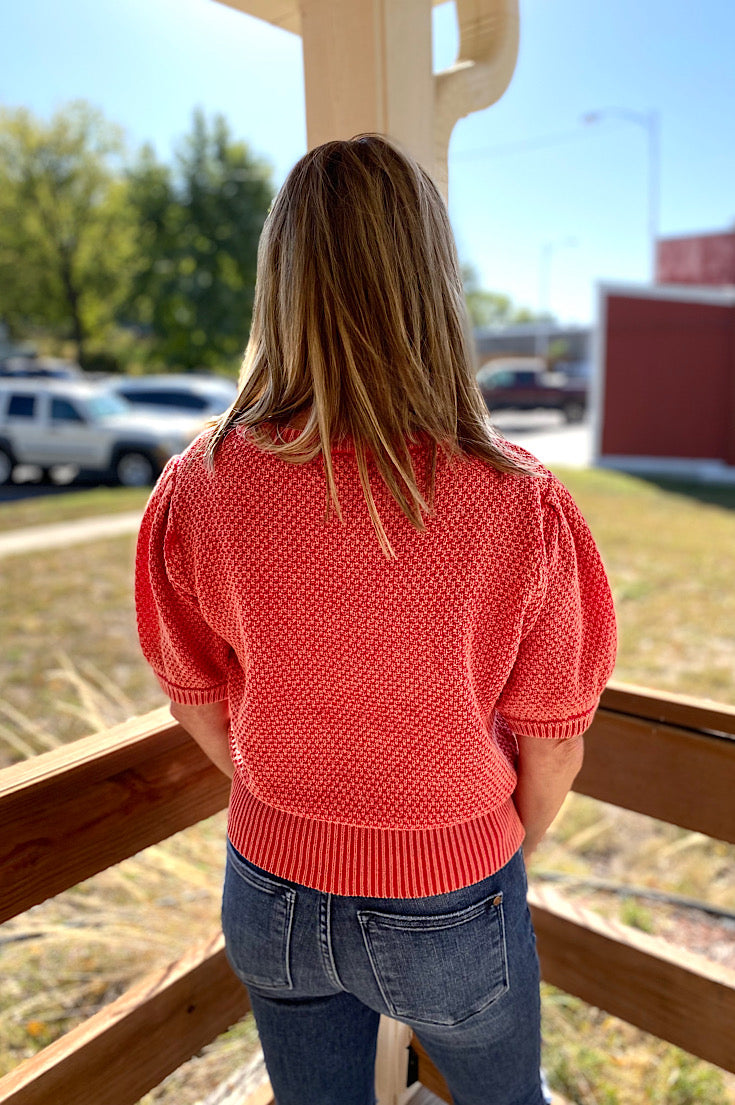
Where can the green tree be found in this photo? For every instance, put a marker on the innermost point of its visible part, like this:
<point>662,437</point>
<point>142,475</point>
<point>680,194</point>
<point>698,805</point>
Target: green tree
<point>199,225</point>
<point>492,308</point>
<point>66,239</point>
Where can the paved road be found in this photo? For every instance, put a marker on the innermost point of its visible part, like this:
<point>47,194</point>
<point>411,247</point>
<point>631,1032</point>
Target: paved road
<point>27,484</point>
<point>548,436</point>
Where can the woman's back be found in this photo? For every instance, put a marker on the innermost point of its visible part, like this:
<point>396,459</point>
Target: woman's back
<point>390,628</point>
<point>365,692</point>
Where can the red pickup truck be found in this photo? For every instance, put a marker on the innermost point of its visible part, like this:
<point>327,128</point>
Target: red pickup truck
<point>526,386</point>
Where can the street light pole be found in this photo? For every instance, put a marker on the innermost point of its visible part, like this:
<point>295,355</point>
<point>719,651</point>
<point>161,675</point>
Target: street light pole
<point>654,183</point>
<point>651,123</point>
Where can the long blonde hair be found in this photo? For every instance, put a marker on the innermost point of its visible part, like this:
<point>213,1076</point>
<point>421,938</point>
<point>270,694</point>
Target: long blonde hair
<point>359,324</point>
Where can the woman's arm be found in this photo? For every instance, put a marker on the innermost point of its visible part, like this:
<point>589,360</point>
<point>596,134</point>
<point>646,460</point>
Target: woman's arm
<point>546,770</point>
<point>210,727</point>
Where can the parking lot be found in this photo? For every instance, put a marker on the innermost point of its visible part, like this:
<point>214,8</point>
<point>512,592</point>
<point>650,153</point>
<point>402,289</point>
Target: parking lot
<point>543,433</point>
<point>27,484</point>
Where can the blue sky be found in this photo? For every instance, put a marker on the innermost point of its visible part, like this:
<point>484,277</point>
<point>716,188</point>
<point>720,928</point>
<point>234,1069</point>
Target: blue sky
<point>527,179</point>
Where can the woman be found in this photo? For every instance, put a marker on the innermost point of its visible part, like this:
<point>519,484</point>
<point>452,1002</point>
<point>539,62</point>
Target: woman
<point>390,628</point>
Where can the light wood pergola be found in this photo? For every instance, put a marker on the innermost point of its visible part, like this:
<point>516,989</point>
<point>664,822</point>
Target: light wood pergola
<point>368,67</point>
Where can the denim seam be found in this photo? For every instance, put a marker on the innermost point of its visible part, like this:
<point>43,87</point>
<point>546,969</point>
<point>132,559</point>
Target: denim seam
<point>504,940</point>
<point>429,923</point>
<point>325,939</point>
<point>374,966</point>
<point>288,896</point>
<point>291,899</point>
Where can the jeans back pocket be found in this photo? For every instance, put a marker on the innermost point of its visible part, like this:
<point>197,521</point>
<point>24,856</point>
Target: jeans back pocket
<point>438,969</point>
<point>257,919</point>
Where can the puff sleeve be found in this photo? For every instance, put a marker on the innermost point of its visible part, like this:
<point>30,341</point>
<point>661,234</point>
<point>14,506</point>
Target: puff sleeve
<point>567,653</point>
<point>189,659</point>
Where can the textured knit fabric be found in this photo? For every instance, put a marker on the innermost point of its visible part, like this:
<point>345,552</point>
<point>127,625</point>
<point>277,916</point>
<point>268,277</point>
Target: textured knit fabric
<point>373,702</point>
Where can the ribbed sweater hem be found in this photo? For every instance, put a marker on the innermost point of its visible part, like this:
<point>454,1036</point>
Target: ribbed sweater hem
<point>370,862</point>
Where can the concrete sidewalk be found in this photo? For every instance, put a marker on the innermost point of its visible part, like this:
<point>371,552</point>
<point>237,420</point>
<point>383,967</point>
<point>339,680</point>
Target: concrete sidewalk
<point>61,534</point>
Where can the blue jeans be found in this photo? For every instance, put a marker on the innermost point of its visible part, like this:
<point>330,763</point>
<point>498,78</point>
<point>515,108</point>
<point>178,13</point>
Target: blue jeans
<point>459,968</point>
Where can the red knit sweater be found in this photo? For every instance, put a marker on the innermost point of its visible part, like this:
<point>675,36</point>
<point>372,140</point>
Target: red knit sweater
<point>373,701</point>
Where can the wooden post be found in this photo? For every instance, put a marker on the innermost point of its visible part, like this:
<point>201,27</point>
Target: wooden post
<point>391,1062</point>
<point>486,61</point>
<point>367,67</point>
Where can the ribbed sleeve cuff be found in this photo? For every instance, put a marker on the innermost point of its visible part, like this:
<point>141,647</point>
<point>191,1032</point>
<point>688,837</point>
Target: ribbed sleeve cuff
<point>190,696</point>
<point>553,730</point>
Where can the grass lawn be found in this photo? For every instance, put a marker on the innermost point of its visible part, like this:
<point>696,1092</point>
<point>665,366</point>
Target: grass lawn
<point>45,509</point>
<point>71,664</point>
<point>671,561</point>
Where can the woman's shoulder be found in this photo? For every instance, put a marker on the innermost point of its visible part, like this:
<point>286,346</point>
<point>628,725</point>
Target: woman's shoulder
<point>199,461</point>
<point>526,485</point>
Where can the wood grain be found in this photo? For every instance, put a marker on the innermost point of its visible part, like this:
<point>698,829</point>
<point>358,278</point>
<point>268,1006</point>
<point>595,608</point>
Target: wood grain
<point>665,990</point>
<point>130,1046</point>
<point>61,813</point>
<point>73,812</point>
<point>677,775</point>
<point>67,814</point>
<point>671,709</point>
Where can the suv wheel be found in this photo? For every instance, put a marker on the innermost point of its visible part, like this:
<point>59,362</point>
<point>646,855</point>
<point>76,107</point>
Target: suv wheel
<point>134,470</point>
<point>7,464</point>
<point>573,411</point>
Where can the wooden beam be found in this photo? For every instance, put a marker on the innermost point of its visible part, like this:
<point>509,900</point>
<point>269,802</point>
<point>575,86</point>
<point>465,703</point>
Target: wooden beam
<point>62,813</point>
<point>67,814</point>
<point>665,990</point>
<point>677,775</point>
<point>133,1044</point>
<point>75,811</point>
<point>428,1075</point>
<point>285,14</point>
<point>281,13</point>
<point>367,67</point>
<point>670,709</point>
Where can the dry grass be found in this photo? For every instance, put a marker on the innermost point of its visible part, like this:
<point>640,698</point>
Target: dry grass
<point>65,959</point>
<point>46,509</point>
<point>595,1059</point>
<point>671,560</point>
<point>595,839</point>
<point>73,665</point>
<point>70,663</point>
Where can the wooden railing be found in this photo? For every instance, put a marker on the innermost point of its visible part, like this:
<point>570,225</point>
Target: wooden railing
<point>73,812</point>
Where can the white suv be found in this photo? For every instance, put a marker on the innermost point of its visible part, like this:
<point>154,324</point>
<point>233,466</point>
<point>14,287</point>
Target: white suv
<point>51,423</point>
<point>191,394</point>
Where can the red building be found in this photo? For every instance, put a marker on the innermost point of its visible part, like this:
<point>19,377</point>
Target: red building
<point>707,260</point>
<point>666,381</point>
